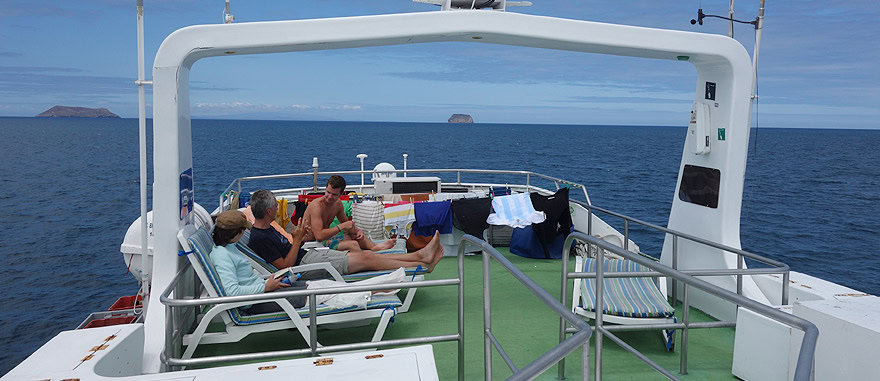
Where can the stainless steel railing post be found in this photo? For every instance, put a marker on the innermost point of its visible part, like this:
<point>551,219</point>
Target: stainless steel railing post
<point>600,307</point>
<point>674,267</point>
<point>169,333</point>
<point>313,325</point>
<point>626,234</point>
<point>740,261</point>
<point>461,246</point>
<point>686,307</point>
<point>563,296</point>
<point>487,319</point>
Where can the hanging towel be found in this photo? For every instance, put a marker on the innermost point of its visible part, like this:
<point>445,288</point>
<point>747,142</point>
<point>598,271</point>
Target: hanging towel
<point>369,216</point>
<point>558,215</point>
<point>469,215</point>
<point>515,210</point>
<point>299,211</point>
<point>399,218</point>
<point>432,216</point>
<point>281,216</point>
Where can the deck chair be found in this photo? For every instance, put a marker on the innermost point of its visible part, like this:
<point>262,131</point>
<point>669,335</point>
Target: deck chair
<point>626,300</point>
<point>198,244</point>
<point>265,268</point>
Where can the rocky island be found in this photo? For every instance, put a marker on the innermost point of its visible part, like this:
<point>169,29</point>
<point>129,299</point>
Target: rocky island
<point>76,112</point>
<point>461,118</point>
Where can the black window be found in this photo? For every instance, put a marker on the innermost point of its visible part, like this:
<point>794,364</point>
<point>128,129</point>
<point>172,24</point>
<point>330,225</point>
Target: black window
<point>699,185</point>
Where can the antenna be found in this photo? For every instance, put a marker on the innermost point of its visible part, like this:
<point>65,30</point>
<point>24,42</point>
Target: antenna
<point>498,5</point>
<point>228,17</point>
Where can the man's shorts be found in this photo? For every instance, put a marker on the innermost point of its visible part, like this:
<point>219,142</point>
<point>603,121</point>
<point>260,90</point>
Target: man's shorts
<point>333,242</point>
<point>338,259</point>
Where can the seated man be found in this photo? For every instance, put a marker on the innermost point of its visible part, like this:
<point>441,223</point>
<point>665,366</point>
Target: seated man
<point>274,248</point>
<point>320,213</point>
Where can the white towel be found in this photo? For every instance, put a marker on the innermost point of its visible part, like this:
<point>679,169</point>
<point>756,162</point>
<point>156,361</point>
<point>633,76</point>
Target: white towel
<point>515,210</point>
<point>356,299</point>
<point>400,219</point>
<point>369,216</point>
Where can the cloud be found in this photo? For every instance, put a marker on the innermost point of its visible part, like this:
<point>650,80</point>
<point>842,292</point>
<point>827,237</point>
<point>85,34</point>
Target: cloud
<point>242,107</point>
<point>60,82</point>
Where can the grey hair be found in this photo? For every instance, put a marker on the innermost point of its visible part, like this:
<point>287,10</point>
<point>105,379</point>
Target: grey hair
<point>261,201</point>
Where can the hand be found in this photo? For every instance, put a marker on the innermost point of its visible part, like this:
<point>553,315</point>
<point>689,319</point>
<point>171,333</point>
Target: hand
<point>359,235</point>
<point>347,225</point>
<point>300,229</point>
<point>273,284</point>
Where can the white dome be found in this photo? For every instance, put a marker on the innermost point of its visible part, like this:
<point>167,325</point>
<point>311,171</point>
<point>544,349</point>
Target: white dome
<point>383,170</point>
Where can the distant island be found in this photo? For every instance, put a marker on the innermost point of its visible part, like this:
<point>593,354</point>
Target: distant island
<point>76,112</point>
<point>461,118</point>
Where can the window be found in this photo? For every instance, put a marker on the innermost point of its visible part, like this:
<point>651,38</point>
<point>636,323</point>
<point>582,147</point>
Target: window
<point>699,185</point>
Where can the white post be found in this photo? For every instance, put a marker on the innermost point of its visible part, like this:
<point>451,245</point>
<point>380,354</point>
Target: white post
<point>315,174</point>
<point>362,156</point>
<point>404,164</point>
<point>142,140</point>
<point>730,27</point>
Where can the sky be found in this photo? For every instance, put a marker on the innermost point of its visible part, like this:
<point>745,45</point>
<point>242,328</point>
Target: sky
<point>819,65</point>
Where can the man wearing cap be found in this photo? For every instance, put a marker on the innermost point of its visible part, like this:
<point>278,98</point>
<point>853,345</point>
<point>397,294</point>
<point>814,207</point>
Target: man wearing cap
<point>274,248</point>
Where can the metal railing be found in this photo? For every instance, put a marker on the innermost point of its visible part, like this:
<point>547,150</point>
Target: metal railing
<point>580,339</point>
<point>777,267</point>
<point>688,279</point>
<point>236,184</point>
<point>174,331</point>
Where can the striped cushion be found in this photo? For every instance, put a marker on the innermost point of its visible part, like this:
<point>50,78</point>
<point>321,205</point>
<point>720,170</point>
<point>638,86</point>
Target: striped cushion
<point>202,244</point>
<point>376,301</point>
<point>627,297</point>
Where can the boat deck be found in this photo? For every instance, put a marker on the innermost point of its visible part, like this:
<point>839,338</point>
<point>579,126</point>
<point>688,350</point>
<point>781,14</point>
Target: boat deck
<point>524,326</point>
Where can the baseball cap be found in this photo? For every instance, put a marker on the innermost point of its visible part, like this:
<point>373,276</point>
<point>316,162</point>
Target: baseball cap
<point>233,219</point>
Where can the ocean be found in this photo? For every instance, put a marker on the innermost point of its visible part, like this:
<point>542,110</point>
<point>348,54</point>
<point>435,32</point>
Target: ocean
<point>69,190</point>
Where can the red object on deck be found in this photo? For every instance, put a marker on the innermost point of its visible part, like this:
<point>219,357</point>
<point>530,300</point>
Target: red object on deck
<point>307,198</point>
<point>125,303</point>
<point>110,321</point>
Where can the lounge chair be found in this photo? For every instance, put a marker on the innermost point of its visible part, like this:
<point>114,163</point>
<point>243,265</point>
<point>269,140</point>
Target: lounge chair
<point>238,325</point>
<point>626,300</point>
<point>265,268</point>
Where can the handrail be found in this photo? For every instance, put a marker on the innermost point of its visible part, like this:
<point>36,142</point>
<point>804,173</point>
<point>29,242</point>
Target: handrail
<point>552,356</point>
<point>171,326</point>
<point>808,343</point>
<point>779,267</point>
<point>236,183</point>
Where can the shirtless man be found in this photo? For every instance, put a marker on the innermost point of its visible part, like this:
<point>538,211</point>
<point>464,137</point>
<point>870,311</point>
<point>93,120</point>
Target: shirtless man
<point>320,213</point>
<point>274,248</point>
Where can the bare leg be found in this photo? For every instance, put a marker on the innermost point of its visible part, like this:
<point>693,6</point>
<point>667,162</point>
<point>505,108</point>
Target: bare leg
<point>367,244</point>
<point>368,260</point>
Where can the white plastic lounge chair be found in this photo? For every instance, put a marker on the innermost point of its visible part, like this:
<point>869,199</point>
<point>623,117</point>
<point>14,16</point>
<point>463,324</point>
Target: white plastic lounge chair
<point>265,268</point>
<point>626,300</point>
<point>238,325</point>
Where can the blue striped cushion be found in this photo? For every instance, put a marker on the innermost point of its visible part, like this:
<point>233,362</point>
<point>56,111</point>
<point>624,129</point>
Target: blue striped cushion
<point>202,244</point>
<point>627,297</point>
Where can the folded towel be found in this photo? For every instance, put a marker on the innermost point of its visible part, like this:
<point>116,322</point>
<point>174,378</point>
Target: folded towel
<point>515,210</point>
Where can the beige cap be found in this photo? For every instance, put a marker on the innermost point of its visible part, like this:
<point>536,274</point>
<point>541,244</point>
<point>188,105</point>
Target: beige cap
<point>233,219</point>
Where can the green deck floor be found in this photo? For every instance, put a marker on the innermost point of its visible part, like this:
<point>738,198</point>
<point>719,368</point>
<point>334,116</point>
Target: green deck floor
<point>524,326</point>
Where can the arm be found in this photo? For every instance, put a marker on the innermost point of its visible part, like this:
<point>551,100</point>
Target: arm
<point>289,260</point>
<point>225,267</point>
<point>345,224</point>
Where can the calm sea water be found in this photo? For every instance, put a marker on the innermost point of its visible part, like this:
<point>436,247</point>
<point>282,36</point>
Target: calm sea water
<point>69,190</point>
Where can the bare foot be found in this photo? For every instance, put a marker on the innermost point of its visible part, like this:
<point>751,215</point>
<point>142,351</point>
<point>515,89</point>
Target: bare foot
<point>436,249</point>
<point>386,245</point>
